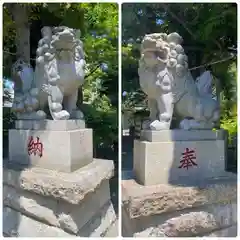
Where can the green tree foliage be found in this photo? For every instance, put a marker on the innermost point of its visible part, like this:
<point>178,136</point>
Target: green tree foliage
<point>229,103</point>
<point>99,32</point>
<point>209,31</point>
<point>101,88</point>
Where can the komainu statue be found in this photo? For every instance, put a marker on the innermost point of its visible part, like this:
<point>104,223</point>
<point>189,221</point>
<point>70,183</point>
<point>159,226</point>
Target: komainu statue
<point>59,72</point>
<point>25,102</point>
<point>165,78</point>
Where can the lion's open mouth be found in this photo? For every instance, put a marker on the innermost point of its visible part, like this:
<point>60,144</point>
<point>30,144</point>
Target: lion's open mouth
<point>162,55</point>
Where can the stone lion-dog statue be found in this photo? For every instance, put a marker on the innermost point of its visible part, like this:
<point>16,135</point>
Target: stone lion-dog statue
<point>165,78</point>
<point>59,72</point>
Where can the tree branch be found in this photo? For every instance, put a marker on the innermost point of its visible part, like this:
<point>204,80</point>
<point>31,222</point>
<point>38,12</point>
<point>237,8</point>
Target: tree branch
<point>93,71</point>
<point>166,8</point>
<point>80,92</point>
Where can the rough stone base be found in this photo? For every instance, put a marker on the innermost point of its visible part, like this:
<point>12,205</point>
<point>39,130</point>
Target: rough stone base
<point>161,161</point>
<point>226,232</point>
<point>16,224</point>
<point>166,210</point>
<point>58,150</point>
<point>45,203</point>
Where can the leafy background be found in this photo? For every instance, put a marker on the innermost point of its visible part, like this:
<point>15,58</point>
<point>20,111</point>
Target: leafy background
<point>99,96</point>
<point>99,27</point>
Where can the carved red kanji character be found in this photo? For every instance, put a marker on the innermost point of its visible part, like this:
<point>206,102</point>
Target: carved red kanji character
<point>188,158</point>
<point>35,147</point>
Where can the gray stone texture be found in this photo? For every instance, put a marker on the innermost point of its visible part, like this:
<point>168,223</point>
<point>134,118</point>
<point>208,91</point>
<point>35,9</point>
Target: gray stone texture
<point>197,222</point>
<point>70,187</point>
<point>226,232</point>
<point>182,135</point>
<point>55,204</point>
<point>16,224</point>
<point>179,211</point>
<point>143,201</point>
<point>62,150</point>
<point>20,225</point>
<point>158,162</point>
<point>51,125</point>
<point>57,213</point>
<point>100,222</point>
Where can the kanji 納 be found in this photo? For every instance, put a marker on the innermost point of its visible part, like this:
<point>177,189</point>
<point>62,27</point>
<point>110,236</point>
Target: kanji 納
<point>35,147</point>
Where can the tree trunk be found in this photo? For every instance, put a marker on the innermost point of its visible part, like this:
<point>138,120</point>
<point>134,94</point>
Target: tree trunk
<point>22,40</point>
<point>80,97</point>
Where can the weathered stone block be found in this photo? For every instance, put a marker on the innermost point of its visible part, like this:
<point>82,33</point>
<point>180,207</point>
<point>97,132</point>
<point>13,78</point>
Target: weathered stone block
<point>198,222</point>
<point>16,224</point>
<point>74,217</point>
<point>30,204</point>
<point>52,125</point>
<point>69,187</point>
<point>100,223</point>
<point>77,203</point>
<point>191,224</point>
<point>57,213</point>
<point>186,162</point>
<point>182,135</point>
<point>142,201</point>
<point>226,232</point>
<point>59,150</point>
<point>166,210</point>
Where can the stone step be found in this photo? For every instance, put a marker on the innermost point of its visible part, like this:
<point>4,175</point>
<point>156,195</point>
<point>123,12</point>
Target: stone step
<point>167,210</point>
<point>70,187</point>
<point>16,224</point>
<point>162,198</point>
<point>60,214</point>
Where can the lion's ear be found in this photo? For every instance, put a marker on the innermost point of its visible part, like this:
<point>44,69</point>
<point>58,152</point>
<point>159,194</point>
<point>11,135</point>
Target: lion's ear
<point>46,31</point>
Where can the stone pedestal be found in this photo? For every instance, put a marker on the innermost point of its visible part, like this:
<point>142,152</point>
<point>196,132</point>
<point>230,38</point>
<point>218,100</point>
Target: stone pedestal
<point>167,210</point>
<point>179,156</point>
<point>186,191</point>
<point>52,185</point>
<point>40,202</point>
<point>62,145</point>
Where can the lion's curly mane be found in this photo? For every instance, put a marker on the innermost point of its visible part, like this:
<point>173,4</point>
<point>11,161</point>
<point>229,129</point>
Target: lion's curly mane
<point>162,54</point>
<point>47,55</point>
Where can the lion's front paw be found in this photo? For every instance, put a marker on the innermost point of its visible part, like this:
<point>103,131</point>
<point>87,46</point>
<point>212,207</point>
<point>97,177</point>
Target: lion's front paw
<point>62,115</point>
<point>185,124</point>
<point>41,114</point>
<point>157,125</point>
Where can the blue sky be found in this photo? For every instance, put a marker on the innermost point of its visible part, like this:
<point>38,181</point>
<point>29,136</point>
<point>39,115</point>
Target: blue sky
<point>159,21</point>
<point>8,83</point>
